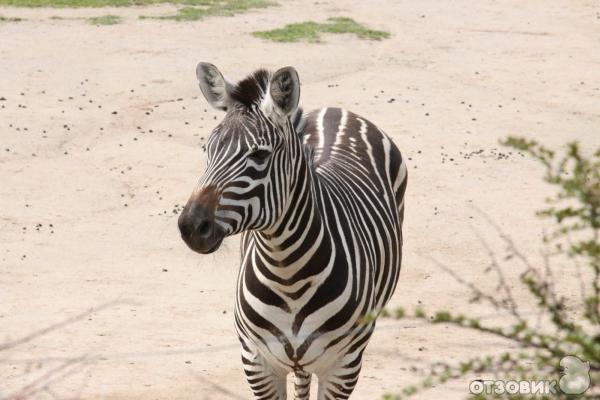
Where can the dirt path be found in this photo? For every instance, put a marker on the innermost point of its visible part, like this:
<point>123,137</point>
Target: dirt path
<point>101,130</point>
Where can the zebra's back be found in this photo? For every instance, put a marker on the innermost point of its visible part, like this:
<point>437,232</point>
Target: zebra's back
<point>344,140</point>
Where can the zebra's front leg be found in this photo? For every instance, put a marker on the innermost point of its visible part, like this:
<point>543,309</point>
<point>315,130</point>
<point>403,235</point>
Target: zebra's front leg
<point>266,383</point>
<point>339,383</point>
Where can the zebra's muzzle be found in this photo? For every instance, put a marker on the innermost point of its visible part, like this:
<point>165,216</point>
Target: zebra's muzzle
<point>198,227</point>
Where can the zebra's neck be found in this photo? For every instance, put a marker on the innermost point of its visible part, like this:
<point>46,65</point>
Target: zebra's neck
<point>300,233</point>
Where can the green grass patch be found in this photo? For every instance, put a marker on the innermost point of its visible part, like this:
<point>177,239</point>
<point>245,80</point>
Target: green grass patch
<point>208,8</point>
<point>10,19</point>
<point>105,20</point>
<point>119,3</point>
<point>74,3</point>
<point>311,31</point>
<point>59,18</point>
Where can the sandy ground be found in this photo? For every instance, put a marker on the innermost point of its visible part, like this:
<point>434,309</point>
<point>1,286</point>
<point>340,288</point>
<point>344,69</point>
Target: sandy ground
<point>101,131</point>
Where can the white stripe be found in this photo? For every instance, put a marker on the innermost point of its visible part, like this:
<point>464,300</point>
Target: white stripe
<point>320,132</point>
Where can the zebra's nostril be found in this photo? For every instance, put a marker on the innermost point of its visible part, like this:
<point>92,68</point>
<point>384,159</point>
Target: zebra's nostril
<point>203,228</point>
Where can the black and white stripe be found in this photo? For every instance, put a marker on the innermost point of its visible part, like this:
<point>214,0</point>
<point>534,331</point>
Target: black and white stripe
<point>319,200</point>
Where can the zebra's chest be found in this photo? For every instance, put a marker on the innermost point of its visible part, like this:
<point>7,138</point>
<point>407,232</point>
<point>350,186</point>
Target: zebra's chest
<point>293,317</point>
<point>290,336</point>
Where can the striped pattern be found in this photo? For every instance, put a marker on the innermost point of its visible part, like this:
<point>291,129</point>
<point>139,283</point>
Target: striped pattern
<point>319,201</point>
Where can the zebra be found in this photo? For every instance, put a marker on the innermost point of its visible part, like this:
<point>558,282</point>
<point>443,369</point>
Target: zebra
<point>319,201</point>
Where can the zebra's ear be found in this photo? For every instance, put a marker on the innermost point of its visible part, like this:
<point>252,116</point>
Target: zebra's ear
<point>213,85</point>
<point>283,94</point>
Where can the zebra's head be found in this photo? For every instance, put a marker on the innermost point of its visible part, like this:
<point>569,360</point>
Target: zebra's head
<point>251,156</point>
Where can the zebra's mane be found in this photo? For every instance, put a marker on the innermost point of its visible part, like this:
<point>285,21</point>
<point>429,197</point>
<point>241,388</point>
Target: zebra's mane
<point>252,89</point>
<point>299,121</point>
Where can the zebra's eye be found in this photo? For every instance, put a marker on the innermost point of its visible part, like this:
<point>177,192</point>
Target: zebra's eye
<point>259,156</point>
